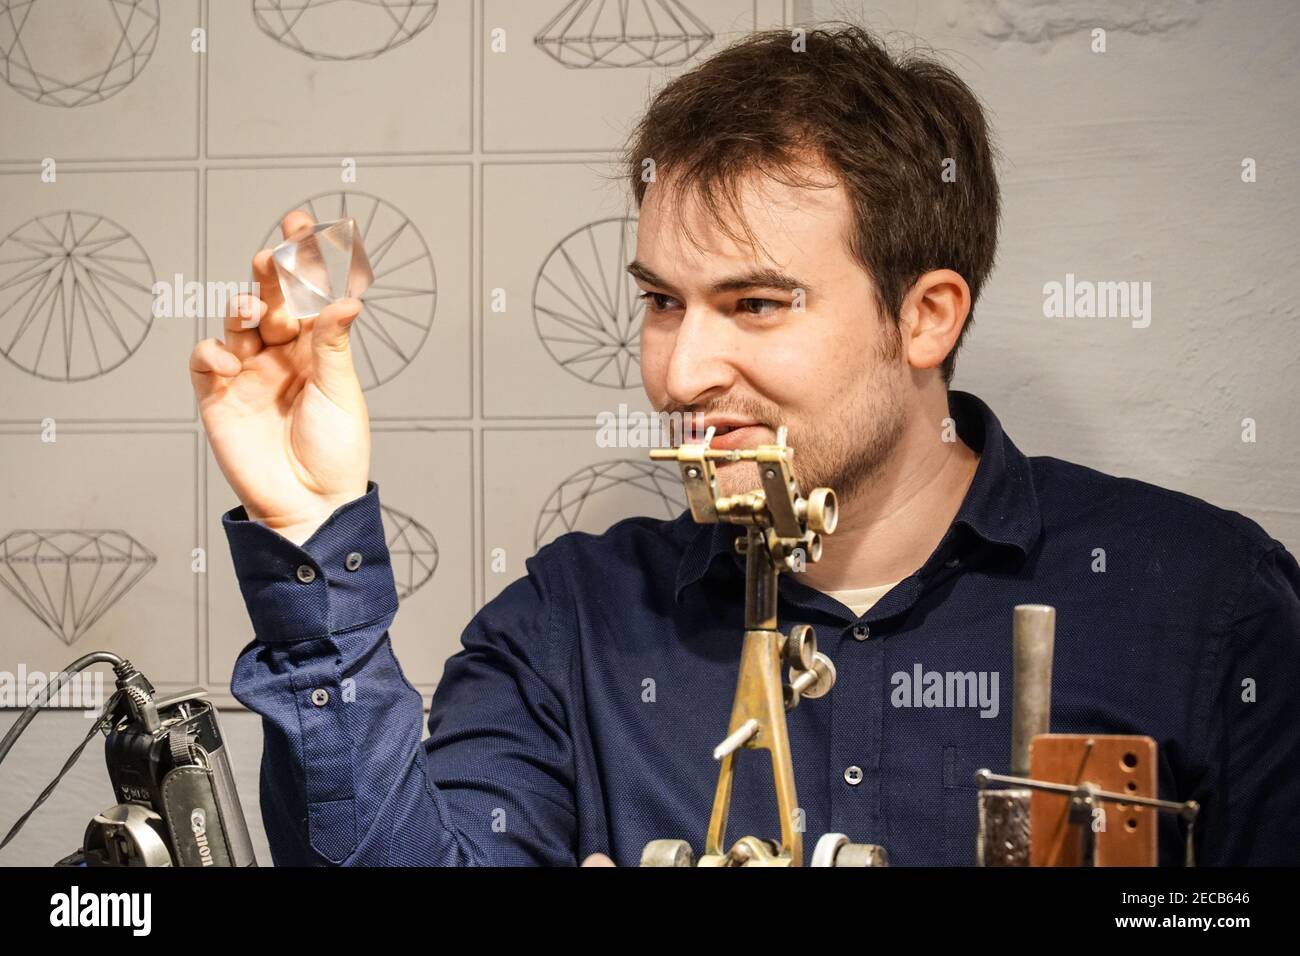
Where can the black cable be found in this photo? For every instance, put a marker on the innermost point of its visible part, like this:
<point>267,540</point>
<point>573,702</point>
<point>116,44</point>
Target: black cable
<point>121,667</point>
<point>104,715</point>
<point>76,667</point>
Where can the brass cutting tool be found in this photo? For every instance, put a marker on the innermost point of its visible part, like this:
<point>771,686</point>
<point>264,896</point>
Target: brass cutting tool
<point>783,533</point>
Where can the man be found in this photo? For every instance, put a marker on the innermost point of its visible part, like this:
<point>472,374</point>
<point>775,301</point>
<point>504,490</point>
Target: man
<point>804,261</point>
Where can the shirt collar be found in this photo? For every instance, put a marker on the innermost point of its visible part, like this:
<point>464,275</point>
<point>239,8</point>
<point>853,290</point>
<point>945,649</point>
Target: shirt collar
<point>1000,507</point>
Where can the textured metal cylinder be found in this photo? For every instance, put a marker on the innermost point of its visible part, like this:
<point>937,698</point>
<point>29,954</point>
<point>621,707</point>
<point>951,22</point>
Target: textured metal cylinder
<point>1003,836</point>
<point>760,584</point>
<point>1033,637</point>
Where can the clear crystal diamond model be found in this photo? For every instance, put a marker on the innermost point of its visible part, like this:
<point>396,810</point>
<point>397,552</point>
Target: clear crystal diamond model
<point>321,263</point>
<point>69,578</point>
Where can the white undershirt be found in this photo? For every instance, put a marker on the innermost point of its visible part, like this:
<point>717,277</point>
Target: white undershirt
<point>860,600</point>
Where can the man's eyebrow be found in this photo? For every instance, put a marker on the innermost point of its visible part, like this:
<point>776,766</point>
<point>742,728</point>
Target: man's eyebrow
<point>757,279</point>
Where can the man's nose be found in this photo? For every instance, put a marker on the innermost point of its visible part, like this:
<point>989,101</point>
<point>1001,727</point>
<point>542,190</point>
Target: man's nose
<point>702,358</point>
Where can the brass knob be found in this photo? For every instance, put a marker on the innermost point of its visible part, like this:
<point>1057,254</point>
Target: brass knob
<point>817,681</point>
<point>675,853</point>
<point>823,511</point>
<point>800,647</point>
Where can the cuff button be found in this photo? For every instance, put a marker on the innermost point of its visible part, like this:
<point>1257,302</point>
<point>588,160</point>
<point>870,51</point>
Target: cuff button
<point>306,573</point>
<point>353,561</point>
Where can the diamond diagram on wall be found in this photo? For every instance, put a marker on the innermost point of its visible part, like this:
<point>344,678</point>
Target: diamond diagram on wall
<point>600,495</point>
<point>343,29</point>
<point>75,52</point>
<point>399,304</point>
<point>586,307</point>
<point>621,33</point>
<point>69,578</point>
<point>412,549</point>
<point>76,296</point>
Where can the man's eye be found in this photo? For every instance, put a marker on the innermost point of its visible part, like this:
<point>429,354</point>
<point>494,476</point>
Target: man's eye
<point>657,301</point>
<point>760,306</point>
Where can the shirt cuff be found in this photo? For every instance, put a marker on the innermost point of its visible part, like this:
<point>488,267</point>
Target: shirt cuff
<point>340,578</point>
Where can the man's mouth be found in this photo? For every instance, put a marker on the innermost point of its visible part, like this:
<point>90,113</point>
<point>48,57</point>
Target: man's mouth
<point>727,435</point>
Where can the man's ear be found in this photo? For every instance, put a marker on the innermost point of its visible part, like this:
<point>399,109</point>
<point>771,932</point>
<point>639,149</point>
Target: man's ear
<point>933,314</point>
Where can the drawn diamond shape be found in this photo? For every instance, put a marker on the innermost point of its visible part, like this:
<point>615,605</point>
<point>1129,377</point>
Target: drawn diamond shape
<point>69,578</point>
<point>399,304</point>
<point>600,33</point>
<point>411,547</point>
<point>599,495</point>
<point>343,29</point>
<point>76,296</point>
<point>586,307</point>
<point>75,52</point>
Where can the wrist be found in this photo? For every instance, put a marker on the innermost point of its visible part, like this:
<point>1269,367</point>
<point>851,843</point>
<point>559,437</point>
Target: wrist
<point>297,533</point>
<point>301,526</point>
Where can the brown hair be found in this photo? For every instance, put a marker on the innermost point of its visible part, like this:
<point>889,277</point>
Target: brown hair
<point>885,125</point>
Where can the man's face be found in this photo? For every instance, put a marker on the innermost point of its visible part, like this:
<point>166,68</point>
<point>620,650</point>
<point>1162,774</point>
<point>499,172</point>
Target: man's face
<point>725,335</point>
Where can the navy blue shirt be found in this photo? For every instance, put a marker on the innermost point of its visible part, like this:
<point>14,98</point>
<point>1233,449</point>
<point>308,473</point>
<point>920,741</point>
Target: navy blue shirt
<point>581,713</point>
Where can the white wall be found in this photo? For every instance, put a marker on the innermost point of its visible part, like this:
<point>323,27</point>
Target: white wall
<point>1126,165</point>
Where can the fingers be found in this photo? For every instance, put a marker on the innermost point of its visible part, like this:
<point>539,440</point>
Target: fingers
<point>598,859</point>
<point>243,317</point>
<point>336,375</point>
<point>280,327</point>
<point>294,221</point>
<point>268,287</point>
<point>212,365</point>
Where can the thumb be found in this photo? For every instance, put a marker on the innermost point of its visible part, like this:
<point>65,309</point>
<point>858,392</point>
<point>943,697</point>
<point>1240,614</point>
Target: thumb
<point>332,352</point>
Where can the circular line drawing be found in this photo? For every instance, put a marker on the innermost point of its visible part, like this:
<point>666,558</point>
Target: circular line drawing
<point>343,29</point>
<point>595,33</point>
<point>601,494</point>
<point>411,548</point>
<point>76,296</point>
<point>75,52</point>
<point>400,303</point>
<point>586,307</point>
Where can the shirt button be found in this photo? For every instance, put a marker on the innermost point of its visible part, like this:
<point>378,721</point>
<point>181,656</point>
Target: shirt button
<point>861,632</point>
<point>320,697</point>
<point>353,561</point>
<point>952,562</point>
<point>306,573</point>
<point>853,776</point>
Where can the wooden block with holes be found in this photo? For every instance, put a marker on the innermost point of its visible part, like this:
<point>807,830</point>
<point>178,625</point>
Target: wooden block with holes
<point>1113,762</point>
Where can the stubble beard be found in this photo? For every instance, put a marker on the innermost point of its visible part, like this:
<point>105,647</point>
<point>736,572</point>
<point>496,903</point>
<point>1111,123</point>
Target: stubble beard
<point>846,453</point>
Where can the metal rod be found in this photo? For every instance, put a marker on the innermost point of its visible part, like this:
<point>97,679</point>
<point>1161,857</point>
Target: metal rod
<point>804,680</point>
<point>984,777</point>
<point>742,735</point>
<point>1033,632</point>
